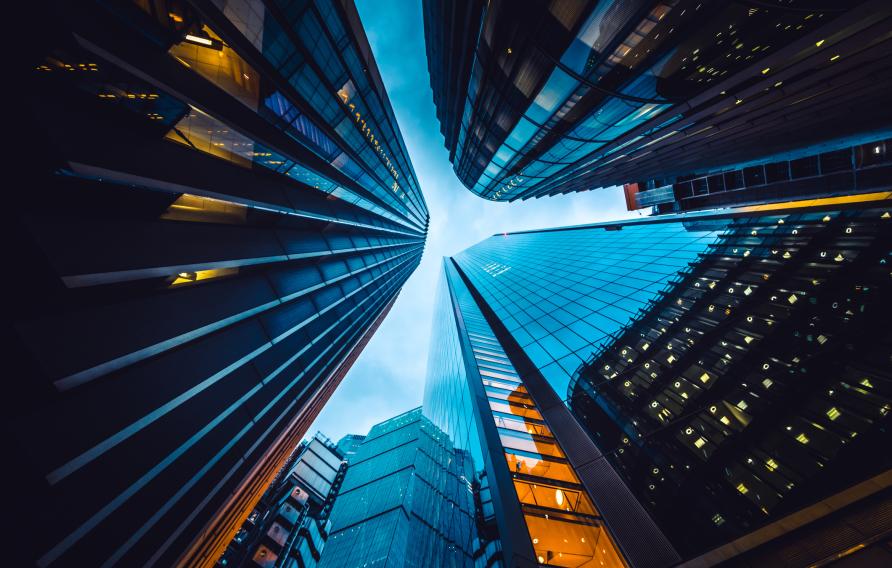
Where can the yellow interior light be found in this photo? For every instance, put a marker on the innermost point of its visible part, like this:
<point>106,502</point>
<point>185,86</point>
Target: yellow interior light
<point>199,39</point>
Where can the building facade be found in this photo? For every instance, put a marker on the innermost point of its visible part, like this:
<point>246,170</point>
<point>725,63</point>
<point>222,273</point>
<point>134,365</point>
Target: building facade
<point>221,211</point>
<point>407,500</point>
<point>349,444</point>
<point>534,510</point>
<point>842,167</point>
<point>703,388</point>
<point>289,526</point>
<point>541,98</point>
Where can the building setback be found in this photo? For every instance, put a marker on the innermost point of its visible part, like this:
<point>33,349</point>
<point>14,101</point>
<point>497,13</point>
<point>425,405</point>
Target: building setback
<point>700,388</point>
<point>219,213</point>
<point>541,98</point>
<point>408,499</point>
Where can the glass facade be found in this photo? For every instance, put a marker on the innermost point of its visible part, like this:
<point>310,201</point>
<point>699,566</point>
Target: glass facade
<point>222,213</point>
<point>562,526</point>
<point>561,293</point>
<point>407,500</point>
<point>349,444</point>
<point>757,382</point>
<point>319,94</point>
<point>727,368</point>
<point>571,96</point>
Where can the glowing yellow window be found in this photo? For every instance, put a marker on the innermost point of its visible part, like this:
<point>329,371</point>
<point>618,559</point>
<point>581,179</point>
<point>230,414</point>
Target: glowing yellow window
<point>552,497</point>
<point>557,470</point>
<point>572,544</point>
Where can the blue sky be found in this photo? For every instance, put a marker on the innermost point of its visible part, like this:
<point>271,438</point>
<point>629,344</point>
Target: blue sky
<point>388,378</point>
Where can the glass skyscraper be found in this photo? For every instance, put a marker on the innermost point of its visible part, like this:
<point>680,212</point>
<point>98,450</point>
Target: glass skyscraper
<point>534,508</point>
<point>708,387</point>
<point>408,499</point>
<point>220,212</point>
<point>542,98</point>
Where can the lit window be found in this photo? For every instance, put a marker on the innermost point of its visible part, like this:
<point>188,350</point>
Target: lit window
<point>771,464</point>
<point>189,277</point>
<point>742,488</point>
<point>802,439</point>
<point>700,442</point>
<point>704,378</point>
<point>833,413</point>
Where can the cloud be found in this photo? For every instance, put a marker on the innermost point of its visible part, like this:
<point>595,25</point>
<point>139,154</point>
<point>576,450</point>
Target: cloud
<point>389,376</point>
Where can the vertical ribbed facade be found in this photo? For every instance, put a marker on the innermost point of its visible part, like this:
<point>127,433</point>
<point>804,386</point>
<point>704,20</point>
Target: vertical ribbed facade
<point>220,213</point>
<point>571,96</point>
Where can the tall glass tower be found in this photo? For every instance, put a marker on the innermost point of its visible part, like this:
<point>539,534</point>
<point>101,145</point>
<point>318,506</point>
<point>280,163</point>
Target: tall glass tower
<point>543,98</point>
<point>709,387</point>
<point>220,212</point>
<point>408,500</point>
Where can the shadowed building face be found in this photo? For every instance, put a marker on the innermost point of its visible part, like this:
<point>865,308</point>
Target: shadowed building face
<point>221,212</point>
<point>541,98</point>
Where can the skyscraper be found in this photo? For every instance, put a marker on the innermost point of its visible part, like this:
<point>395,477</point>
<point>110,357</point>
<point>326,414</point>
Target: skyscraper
<point>541,98</point>
<point>708,387</point>
<point>534,509</point>
<point>407,500</point>
<point>221,211</point>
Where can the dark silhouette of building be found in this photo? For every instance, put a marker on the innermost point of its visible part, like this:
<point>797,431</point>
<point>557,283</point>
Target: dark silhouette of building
<point>543,98</point>
<point>219,212</point>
